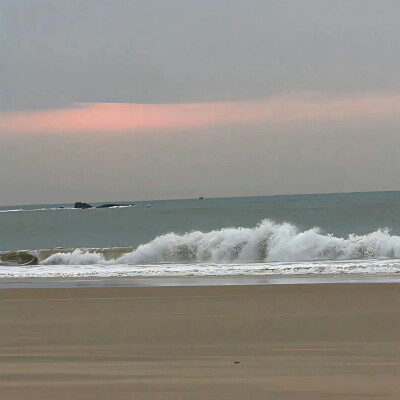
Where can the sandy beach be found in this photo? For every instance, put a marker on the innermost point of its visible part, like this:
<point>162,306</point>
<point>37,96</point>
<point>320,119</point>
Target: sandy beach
<point>320,341</point>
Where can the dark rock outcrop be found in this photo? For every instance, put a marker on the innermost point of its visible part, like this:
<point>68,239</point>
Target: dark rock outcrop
<point>78,204</point>
<point>109,205</point>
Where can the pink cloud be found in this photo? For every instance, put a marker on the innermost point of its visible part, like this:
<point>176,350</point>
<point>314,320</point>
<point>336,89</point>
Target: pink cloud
<point>96,117</point>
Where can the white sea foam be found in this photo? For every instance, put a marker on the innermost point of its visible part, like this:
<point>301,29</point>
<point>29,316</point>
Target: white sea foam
<point>372,267</point>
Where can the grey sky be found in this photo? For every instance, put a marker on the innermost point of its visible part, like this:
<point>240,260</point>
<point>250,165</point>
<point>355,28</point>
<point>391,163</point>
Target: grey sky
<point>57,53</point>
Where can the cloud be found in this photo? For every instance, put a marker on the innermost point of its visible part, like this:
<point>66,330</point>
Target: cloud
<point>114,117</point>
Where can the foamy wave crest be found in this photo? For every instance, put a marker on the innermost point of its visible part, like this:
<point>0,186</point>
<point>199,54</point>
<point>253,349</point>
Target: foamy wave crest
<point>76,257</point>
<point>267,242</point>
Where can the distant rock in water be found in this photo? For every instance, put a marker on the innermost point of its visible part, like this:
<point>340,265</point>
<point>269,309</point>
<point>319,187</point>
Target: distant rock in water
<point>78,204</point>
<point>201,198</point>
<point>81,205</point>
<point>109,205</point>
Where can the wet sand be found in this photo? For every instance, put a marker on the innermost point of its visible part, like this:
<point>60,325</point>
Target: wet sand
<point>319,341</point>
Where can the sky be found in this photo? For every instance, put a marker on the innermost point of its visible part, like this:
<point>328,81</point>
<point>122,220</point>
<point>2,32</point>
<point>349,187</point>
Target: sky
<point>129,100</point>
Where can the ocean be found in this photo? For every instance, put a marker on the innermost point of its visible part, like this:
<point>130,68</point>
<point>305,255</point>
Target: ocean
<point>323,234</point>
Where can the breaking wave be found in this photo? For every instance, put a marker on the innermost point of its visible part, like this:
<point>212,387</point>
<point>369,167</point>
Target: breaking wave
<point>267,242</point>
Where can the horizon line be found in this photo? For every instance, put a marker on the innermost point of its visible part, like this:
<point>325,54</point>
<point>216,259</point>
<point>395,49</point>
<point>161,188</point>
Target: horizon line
<point>208,198</point>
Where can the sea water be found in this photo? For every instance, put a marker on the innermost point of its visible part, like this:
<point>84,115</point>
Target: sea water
<point>246,236</point>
